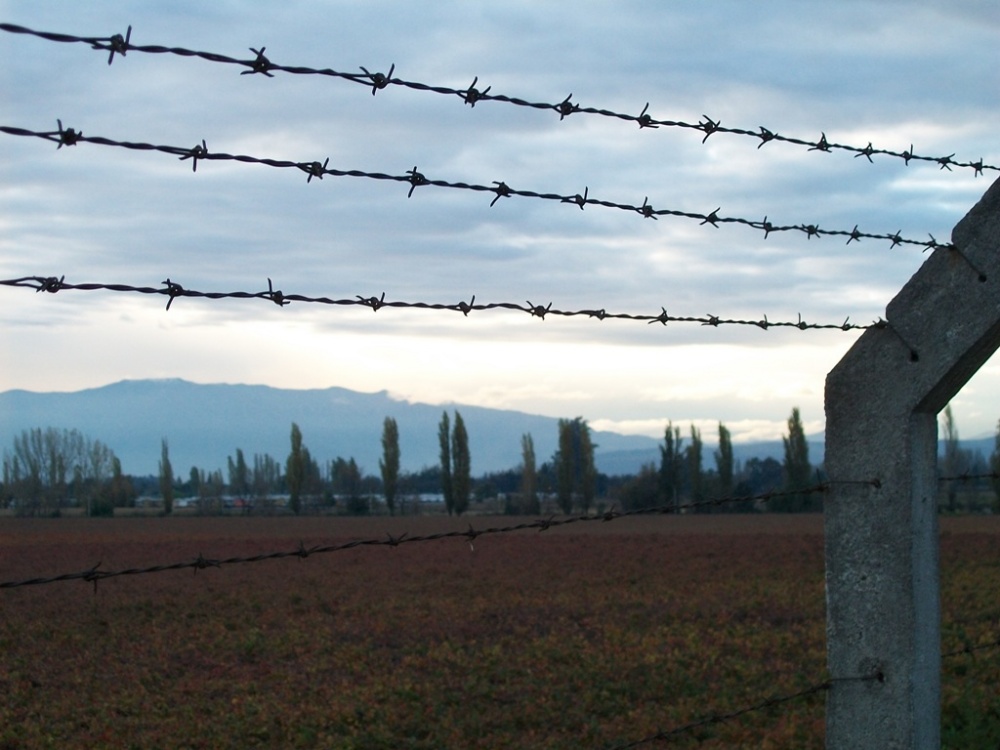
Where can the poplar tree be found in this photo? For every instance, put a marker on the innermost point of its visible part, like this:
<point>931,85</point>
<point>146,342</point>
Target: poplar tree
<point>266,475</point>
<point>529,476</point>
<point>576,473</point>
<point>346,480</point>
<point>121,491</point>
<point>724,462</point>
<point>390,462</point>
<point>694,455</point>
<point>671,462</point>
<point>798,470</point>
<point>950,465</point>
<point>239,474</point>
<point>295,470</point>
<point>461,466</point>
<point>166,478</point>
<point>564,467</point>
<point>312,478</point>
<point>587,468</point>
<point>444,439</point>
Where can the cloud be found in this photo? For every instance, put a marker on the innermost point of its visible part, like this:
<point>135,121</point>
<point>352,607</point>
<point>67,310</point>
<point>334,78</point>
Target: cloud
<point>741,430</point>
<point>857,72</point>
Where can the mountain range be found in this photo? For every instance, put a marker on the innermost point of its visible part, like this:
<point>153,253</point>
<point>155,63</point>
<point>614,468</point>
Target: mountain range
<point>205,424</point>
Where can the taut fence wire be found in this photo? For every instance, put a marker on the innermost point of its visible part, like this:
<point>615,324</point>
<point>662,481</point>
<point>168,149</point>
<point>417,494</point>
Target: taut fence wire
<point>94,574</point>
<point>777,700</point>
<point>471,95</point>
<point>172,290</point>
<point>718,718</point>
<point>499,189</point>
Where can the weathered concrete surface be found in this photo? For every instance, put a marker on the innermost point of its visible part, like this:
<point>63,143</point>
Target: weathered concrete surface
<point>882,401</point>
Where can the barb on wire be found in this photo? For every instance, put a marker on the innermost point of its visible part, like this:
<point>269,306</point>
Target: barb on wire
<point>172,290</point>
<point>499,189</point>
<point>260,64</point>
<point>95,574</point>
<point>471,95</point>
<point>118,44</point>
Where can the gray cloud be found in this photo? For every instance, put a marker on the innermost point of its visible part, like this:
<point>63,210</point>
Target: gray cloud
<point>894,74</point>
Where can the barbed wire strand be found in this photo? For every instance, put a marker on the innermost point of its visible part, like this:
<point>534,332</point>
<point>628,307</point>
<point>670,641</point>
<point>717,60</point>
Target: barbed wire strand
<point>769,702</point>
<point>969,477</point>
<point>499,189</point>
<point>970,649</point>
<point>471,95</point>
<point>94,574</point>
<point>173,290</point>
<point>717,718</point>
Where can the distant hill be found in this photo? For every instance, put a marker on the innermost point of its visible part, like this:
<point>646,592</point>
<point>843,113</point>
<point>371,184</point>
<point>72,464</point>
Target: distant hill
<point>205,424</point>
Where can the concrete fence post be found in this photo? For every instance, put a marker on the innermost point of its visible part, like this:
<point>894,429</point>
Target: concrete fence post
<point>882,577</point>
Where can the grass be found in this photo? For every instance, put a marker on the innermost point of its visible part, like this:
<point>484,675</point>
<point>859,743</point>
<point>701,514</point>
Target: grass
<point>585,636</point>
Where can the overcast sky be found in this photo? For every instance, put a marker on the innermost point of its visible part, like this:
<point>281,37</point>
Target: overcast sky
<point>893,74</point>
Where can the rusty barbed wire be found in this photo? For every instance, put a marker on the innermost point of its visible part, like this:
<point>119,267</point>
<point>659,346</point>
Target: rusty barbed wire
<point>499,189</point>
<point>95,574</point>
<point>472,95</point>
<point>172,290</point>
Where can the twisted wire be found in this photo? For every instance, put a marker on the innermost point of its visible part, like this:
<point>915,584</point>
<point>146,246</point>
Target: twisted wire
<point>471,95</point>
<point>499,189</point>
<point>94,574</point>
<point>172,290</point>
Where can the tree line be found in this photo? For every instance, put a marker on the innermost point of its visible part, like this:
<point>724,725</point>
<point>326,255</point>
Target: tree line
<point>48,469</point>
<point>682,480</point>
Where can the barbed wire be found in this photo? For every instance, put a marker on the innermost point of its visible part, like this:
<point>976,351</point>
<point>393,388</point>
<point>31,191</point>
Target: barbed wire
<point>173,290</point>
<point>969,477</point>
<point>499,189</point>
<point>471,95</point>
<point>970,649</point>
<point>776,700</point>
<point>95,574</point>
<point>719,718</point>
